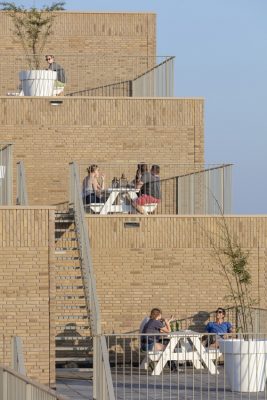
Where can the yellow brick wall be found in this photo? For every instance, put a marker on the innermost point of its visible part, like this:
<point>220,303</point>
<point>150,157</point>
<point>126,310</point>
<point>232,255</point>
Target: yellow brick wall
<point>167,262</point>
<point>27,288</point>
<point>97,130</point>
<point>103,37</point>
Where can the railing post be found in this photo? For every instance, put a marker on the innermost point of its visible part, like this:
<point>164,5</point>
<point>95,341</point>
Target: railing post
<point>22,195</point>
<point>3,387</point>
<point>29,392</point>
<point>17,355</point>
<point>177,195</point>
<point>1,383</point>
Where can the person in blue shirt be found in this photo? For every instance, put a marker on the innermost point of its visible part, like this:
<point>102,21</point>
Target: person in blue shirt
<point>219,327</point>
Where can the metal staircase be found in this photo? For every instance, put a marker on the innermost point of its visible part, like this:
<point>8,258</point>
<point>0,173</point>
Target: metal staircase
<point>73,334</point>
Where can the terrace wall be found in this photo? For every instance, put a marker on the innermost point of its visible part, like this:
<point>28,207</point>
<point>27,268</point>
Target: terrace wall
<point>168,262</point>
<point>98,35</point>
<point>87,130</point>
<point>28,289</point>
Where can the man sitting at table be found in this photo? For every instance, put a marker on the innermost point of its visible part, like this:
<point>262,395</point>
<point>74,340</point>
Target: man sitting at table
<point>150,189</point>
<point>155,325</point>
<point>219,327</point>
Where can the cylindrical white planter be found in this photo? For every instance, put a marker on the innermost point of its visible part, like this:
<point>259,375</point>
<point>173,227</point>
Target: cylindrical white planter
<point>38,82</point>
<point>245,364</point>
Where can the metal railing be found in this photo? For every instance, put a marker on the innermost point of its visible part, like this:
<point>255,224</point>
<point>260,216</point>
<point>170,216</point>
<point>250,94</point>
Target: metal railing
<point>6,174</point>
<point>88,74</point>
<point>188,365</point>
<point>157,82</point>
<point>198,321</point>
<point>17,355</point>
<point>15,386</point>
<point>182,189</point>
<point>103,389</point>
<point>22,194</point>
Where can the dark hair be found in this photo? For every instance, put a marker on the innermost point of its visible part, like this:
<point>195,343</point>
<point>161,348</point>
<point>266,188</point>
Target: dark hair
<point>220,309</point>
<point>155,168</point>
<point>154,313</point>
<point>92,168</point>
<point>141,168</point>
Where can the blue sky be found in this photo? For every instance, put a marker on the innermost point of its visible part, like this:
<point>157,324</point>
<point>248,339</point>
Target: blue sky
<point>221,55</point>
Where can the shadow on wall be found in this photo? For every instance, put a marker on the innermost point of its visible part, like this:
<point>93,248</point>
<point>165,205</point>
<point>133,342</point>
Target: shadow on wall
<point>199,321</point>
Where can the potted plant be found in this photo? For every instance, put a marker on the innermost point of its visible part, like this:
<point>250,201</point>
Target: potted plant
<point>244,356</point>
<point>32,27</point>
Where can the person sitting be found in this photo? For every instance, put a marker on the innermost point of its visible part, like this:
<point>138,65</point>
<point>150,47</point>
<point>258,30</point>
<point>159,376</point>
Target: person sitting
<point>92,190</point>
<point>150,188</point>
<point>219,327</point>
<point>61,77</point>
<point>155,325</point>
<point>141,169</point>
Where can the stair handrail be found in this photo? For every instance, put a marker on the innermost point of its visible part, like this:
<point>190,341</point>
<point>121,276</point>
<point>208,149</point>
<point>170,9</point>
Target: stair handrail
<point>22,387</point>
<point>102,382</point>
<point>22,194</point>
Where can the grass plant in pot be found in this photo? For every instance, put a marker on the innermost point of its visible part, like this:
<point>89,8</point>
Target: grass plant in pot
<point>244,356</point>
<point>32,27</point>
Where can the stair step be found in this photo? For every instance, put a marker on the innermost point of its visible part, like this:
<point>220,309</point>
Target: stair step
<point>66,239</point>
<point>76,269</point>
<point>62,287</point>
<point>82,331</point>
<point>82,310</point>
<point>69,276</point>
<point>83,338</point>
<point>74,359</point>
<point>64,230</point>
<point>67,348</point>
<point>66,248</point>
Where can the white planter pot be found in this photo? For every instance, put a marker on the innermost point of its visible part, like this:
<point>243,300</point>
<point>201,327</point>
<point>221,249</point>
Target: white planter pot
<point>38,82</point>
<point>245,364</point>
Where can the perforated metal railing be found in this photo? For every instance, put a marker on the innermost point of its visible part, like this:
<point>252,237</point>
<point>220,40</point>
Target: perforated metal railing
<point>96,74</point>
<point>103,387</point>
<point>189,365</point>
<point>185,189</point>
<point>6,174</point>
<point>14,384</point>
<point>22,194</point>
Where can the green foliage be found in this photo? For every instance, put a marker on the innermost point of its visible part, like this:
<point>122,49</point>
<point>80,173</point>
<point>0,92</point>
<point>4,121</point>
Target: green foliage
<point>32,27</point>
<point>234,263</point>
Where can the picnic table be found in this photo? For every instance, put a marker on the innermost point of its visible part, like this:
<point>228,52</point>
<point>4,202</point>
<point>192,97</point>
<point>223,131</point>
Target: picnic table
<point>183,346</point>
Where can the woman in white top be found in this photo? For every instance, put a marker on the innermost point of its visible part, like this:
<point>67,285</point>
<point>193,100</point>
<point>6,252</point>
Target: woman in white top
<point>92,189</point>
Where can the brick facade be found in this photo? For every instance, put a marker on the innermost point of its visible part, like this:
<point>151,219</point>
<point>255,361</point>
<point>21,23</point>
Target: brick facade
<point>98,130</point>
<point>168,262</point>
<point>27,288</point>
<point>94,48</point>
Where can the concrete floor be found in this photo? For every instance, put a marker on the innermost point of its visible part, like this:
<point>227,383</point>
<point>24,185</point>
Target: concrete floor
<point>133,384</point>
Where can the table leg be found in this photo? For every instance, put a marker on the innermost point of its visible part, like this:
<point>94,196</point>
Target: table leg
<point>108,204</point>
<point>186,348</point>
<point>165,356</point>
<point>203,355</point>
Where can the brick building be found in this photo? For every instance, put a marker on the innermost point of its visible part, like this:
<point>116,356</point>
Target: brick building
<point>163,260</point>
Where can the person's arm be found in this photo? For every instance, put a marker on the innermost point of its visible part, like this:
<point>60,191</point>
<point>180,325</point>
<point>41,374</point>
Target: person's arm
<point>96,187</point>
<point>208,326</point>
<point>102,185</point>
<point>167,327</point>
